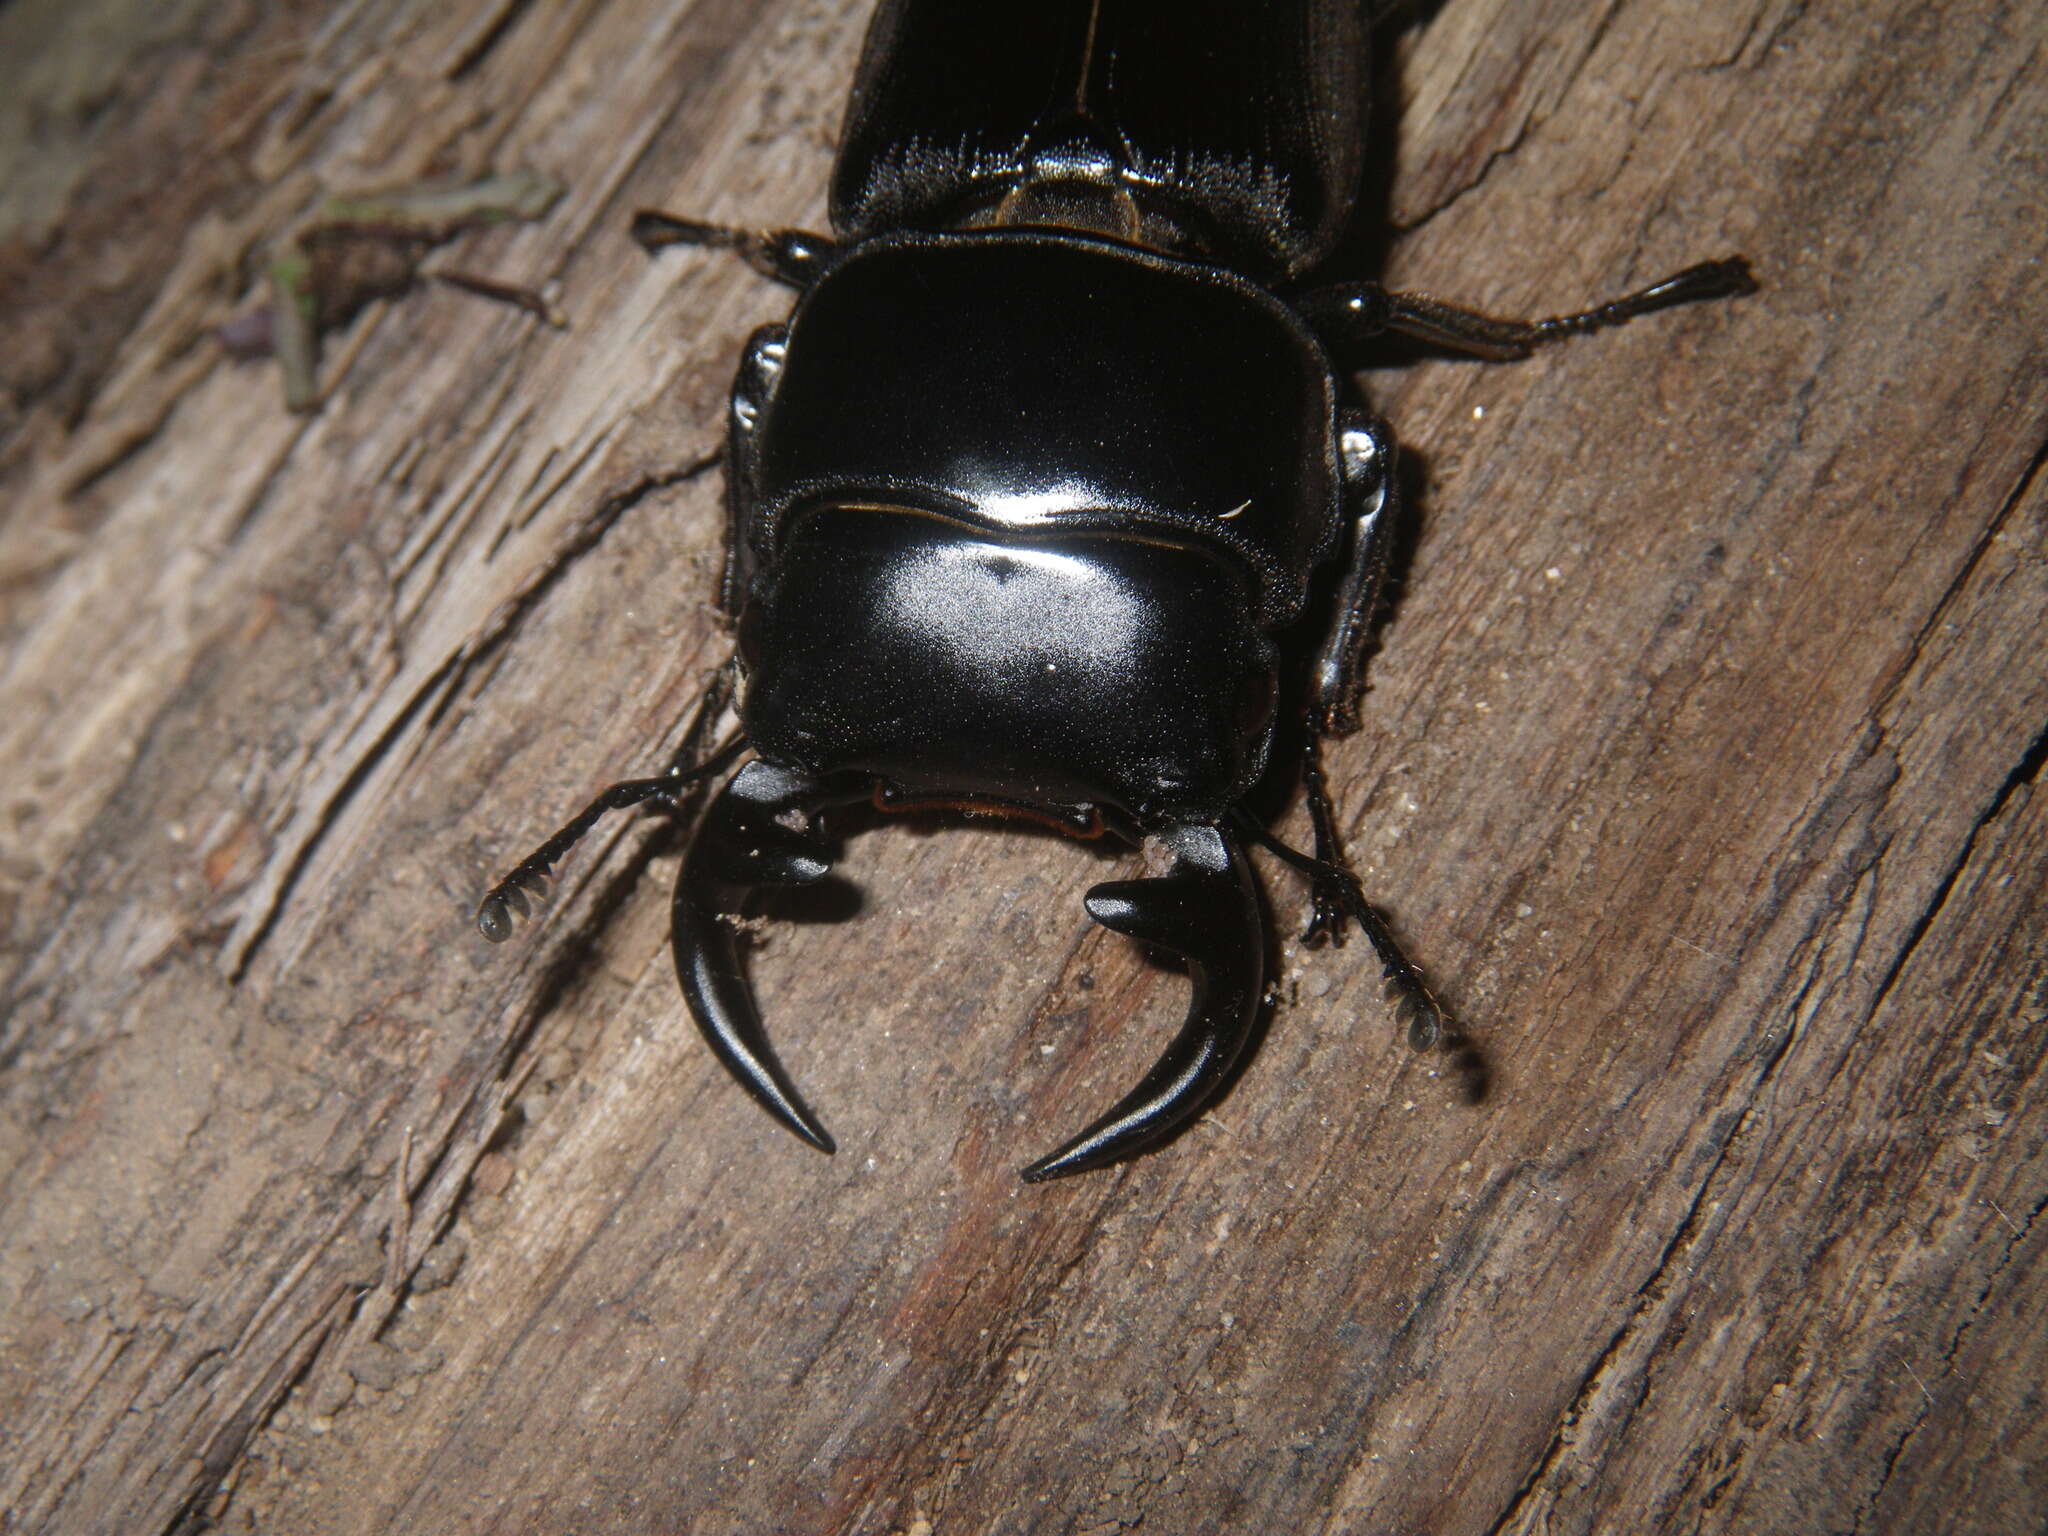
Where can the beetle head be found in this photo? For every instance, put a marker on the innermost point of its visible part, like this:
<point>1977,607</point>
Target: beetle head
<point>1084,670</point>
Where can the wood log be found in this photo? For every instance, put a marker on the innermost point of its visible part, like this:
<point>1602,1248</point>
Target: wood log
<point>1701,766</point>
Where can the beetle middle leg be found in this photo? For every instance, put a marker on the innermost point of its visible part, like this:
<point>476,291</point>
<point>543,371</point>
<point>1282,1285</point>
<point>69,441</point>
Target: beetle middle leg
<point>1371,509</point>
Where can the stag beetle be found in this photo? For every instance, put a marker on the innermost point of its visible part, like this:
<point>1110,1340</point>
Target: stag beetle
<point>1027,495</point>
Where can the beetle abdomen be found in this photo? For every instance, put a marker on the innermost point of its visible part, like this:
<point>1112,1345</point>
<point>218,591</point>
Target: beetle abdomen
<point>1233,130</point>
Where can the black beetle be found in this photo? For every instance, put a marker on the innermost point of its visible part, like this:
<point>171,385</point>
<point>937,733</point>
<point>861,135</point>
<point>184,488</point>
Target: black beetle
<point>1027,494</point>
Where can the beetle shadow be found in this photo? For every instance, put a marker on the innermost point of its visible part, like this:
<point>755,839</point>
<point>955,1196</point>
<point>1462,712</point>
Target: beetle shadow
<point>1368,236</point>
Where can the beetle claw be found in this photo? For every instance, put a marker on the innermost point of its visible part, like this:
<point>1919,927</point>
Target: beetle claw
<point>748,840</point>
<point>1421,1012</point>
<point>1328,915</point>
<point>1206,909</point>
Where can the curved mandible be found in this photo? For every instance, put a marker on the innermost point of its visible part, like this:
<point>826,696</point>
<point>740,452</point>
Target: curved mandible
<point>760,831</point>
<point>1207,910</point>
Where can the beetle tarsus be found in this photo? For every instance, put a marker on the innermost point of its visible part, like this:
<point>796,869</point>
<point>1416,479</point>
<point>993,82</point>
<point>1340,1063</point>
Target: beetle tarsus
<point>1338,898</point>
<point>495,919</point>
<point>499,914</point>
<point>1207,910</point>
<point>1414,1004</point>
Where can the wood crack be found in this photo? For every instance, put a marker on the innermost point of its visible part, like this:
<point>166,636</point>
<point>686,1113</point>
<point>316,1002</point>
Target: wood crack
<point>2023,774</point>
<point>1734,55</point>
<point>487,38</point>
<point>1726,1130</point>
<point>313,822</point>
<point>1416,225</point>
<point>310,828</point>
<point>1959,583</point>
<point>1530,123</point>
<point>1889,1463</point>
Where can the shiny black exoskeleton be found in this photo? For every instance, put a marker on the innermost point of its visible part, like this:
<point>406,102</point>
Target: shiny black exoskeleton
<point>1027,494</point>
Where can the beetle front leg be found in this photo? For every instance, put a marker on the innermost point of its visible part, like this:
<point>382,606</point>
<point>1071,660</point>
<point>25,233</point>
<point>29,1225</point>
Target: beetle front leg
<point>1336,898</point>
<point>1371,500</point>
<point>1372,508</point>
<point>508,902</point>
<point>752,389</point>
<point>1351,313</point>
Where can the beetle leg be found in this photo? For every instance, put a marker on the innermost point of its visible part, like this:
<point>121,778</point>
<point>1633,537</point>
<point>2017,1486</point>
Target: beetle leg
<point>1357,312</point>
<point>792,256</point>
<point>501,910</point>
<point>752,388</point>
<point>1207,910</point>
<point>1336,898</point>
<point>760,831</point>
<point>1372,509</point>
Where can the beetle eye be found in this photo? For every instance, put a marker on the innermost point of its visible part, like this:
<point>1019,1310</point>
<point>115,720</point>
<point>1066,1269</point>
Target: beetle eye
<point>1256,698</point>
<point>749,638</point>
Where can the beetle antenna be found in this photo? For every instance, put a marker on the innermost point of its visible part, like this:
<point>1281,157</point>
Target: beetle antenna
<point>508,902</point>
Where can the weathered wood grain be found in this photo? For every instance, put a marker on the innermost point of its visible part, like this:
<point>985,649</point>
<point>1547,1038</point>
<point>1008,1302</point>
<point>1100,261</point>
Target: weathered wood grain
<point>1701,764</point>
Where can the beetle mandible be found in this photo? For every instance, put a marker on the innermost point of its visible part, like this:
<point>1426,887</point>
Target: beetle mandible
<point>1027,494</point>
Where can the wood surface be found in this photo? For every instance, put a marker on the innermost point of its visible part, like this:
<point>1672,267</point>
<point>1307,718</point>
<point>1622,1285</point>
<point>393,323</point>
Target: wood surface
<point>1701,767</point>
